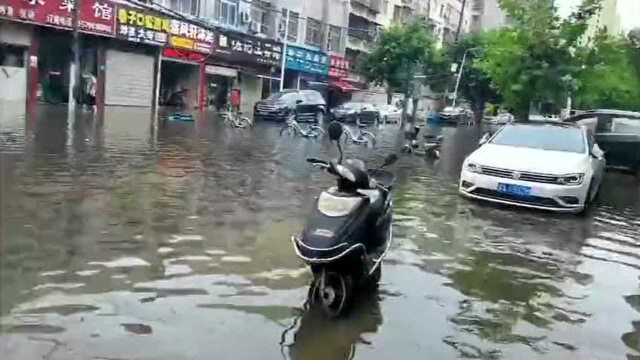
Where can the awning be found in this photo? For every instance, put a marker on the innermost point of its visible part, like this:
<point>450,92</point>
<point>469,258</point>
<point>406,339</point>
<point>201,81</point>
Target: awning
<point>343,85</point>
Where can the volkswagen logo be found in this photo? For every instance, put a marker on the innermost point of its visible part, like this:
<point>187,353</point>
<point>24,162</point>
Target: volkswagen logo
<point>516,175</point>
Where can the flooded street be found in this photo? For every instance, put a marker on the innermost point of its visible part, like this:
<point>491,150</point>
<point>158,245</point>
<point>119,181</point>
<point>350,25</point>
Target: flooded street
<point>124,239</point>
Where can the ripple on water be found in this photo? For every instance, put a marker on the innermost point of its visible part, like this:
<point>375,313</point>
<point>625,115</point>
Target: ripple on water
<point>123,262</point>
<point>235,259</point>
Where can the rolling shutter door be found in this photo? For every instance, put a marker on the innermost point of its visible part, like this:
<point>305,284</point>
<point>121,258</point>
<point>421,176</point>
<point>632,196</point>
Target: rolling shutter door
<point>129,79</point>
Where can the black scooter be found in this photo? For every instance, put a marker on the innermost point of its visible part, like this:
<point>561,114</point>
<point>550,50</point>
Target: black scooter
<point>431,146</point>
<point>349,230</point>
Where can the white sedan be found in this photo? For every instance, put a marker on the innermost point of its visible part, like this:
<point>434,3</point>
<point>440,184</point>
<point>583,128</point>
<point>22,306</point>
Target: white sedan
<point>389,113</point>
<point>549,166</point>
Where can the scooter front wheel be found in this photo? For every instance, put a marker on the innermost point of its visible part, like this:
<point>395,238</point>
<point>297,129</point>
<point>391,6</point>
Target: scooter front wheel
<point>332,292</point>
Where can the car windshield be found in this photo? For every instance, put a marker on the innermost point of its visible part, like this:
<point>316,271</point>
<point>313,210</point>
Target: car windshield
<point>351,106</point>
<point>546,137</point>
<point>285,96</point>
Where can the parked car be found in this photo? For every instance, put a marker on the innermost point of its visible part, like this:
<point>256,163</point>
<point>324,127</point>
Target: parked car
<point>389,113</point>
<point>455,115</point>
<point>617,132</point>
<point>501,119</point>
<point>309,104</point>
<point>550,166</point>
<point>348,112</point>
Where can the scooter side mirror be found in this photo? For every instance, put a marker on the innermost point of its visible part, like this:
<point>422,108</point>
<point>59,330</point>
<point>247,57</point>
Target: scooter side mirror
<point>335,131</point>
<point>392,158</point>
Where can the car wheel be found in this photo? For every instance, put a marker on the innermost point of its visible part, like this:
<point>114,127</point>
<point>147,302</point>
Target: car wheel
<point>588,200</point>
<point>320,117</point>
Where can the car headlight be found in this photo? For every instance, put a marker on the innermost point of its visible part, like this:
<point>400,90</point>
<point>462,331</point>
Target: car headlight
<point>571,179</point>
<point>474,168</point>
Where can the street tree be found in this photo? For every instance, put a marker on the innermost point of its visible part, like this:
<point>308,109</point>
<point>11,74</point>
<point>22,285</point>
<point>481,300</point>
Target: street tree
<point>610,75</point>
<point>400,53</point>
<point>532,61</point>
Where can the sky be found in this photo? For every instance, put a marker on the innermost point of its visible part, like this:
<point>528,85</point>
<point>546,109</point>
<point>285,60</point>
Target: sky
<point>628,10</point>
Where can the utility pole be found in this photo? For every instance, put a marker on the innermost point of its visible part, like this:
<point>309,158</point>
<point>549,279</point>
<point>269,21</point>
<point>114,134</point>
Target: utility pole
<point>284,50</point>
<point>74,72</point>
<point>464,5</point>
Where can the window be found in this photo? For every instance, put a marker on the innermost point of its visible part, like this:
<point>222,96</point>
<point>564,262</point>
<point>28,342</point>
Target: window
<point>397,13</point>
<point>259,19</point>
<point>185,6</point>
<point>335,38</point>
<point>227,12</point>
<point>294,17</point>
<point>314,32</point>
<point>544,137</point>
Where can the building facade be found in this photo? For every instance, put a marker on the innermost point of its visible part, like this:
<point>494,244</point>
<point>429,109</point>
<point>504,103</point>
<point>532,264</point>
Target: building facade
<point>487,15</point>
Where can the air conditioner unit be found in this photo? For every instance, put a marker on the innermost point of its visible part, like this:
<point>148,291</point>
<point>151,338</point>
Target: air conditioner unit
<point>245,17</point>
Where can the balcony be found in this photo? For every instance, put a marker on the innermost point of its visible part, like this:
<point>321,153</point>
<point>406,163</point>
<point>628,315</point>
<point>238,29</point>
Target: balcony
<point>372,5</point>
<point>358,43</point>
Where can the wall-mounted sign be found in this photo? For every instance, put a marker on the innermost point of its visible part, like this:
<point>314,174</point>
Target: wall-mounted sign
<point>245,49</point>
<point>220,70</point>
<point>338,67</point>
<point>311,61</point>
<point>96,16</point>
<point>186,55</point>
<point>144,26</point>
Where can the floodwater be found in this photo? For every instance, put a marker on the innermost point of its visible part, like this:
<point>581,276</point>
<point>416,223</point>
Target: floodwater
<point>131,239</point>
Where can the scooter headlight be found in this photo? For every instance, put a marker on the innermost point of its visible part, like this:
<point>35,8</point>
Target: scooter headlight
<point>336,206</point>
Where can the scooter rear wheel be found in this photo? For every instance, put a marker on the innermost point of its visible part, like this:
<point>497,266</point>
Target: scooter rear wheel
<point>334,297</point>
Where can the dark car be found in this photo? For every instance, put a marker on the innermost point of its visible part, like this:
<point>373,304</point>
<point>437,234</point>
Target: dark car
<point>309,105</point>
<point>348,112</point>
<point>618,134</point>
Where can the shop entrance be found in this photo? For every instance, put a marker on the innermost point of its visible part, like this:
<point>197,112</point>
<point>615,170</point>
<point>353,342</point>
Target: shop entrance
<point>54,60</point>
<point>218,89</point>
<point>179,84</point>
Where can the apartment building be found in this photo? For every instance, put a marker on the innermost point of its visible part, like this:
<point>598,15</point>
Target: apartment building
<point>487,15</point>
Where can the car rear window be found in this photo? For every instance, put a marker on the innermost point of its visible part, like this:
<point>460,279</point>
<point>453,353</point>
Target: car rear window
<point>545,137</point>
<point>313,97</point>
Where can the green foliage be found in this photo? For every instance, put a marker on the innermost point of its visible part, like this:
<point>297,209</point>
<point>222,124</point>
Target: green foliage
<point>610,76</point>
<point>399,53</point>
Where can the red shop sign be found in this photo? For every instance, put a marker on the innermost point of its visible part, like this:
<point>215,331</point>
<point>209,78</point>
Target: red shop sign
<point>338,67</point>
<point>183,54</point>
<point>96,16</point>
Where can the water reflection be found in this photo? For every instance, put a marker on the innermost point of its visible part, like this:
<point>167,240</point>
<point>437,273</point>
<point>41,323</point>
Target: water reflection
<point>121,234</point>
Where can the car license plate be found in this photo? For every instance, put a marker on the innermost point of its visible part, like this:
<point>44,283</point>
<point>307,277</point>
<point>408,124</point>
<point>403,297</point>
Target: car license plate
<point>513,189</point>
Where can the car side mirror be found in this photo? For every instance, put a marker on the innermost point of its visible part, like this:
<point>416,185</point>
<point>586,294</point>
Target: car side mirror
<point>485,138</point>
<point>298,102</point>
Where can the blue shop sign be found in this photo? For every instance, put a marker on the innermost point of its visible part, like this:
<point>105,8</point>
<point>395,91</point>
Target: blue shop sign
<point>310,61</point>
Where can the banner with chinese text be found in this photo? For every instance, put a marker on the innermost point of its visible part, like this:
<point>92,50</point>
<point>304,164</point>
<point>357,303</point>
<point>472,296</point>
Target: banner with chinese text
<point>240,48</point>
<point>310,61</point>
<point>338,67</point>
<point>144,26</point>
<point>96,16</point>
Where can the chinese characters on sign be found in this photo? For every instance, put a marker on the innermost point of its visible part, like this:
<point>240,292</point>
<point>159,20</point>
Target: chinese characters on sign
<point>310,61</point>
<point>96,16</point>
<point>236,47</point>
<point>141,26</point>
<point>339,67</point>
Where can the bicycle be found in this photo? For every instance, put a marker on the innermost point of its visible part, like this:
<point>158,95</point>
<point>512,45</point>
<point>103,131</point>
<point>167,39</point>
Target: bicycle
<point>236,120</point>
<point>361,137</point>
<point>294,128</point>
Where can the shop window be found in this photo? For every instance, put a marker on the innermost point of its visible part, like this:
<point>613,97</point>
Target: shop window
<point>227,12</point>
<point>11,56</point>
<point>294,18</point>
<point>314,32</point>
<point>334,40</point>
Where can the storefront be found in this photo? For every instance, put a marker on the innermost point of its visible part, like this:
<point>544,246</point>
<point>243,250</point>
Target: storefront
<point>49,55</point>
<point>257,62</point>
<point>219,82</point>
<point>180,49</point>
<point>306,68</point>
<point>15,41</point>
<point>340,88</point>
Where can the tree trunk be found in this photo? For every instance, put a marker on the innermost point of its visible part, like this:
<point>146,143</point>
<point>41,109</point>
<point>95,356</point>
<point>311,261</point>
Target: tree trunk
<point>389,95</point>
<point>405,102</point>
<point>478,111</point>
<point>414,110</point>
